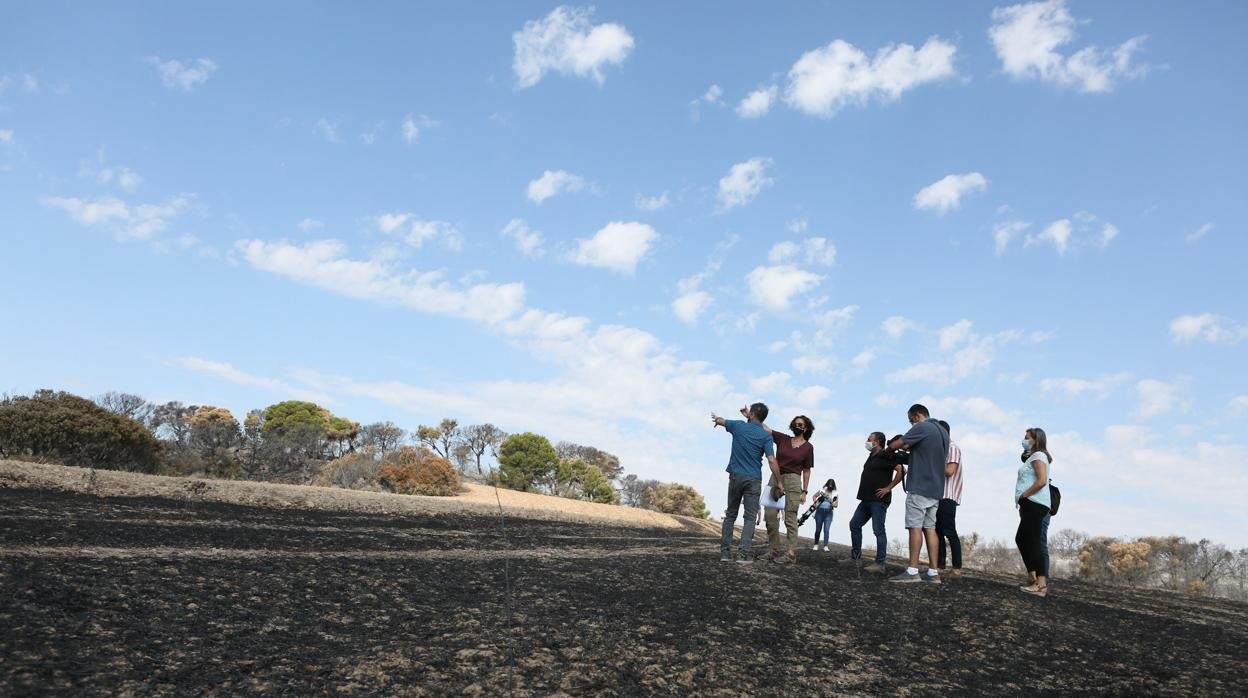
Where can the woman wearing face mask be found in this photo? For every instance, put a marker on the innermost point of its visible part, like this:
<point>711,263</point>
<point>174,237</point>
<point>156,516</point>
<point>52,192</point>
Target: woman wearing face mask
<point>827,501</point>
<point>1031,495</point>
<point>796,457</point>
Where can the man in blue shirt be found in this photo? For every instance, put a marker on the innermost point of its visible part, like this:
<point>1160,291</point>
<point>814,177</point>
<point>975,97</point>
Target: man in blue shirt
<point>928,444</point>
<point>745,476</point>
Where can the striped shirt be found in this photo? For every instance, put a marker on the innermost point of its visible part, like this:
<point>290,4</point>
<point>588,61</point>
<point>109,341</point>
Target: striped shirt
<point>953,483</point>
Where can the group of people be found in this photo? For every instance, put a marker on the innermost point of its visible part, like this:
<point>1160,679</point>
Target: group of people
<point>924,460</point>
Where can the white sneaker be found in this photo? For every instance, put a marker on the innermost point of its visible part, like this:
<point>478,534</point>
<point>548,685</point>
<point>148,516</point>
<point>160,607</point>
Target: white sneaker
<point>816,547</point>
<point>826,549</point>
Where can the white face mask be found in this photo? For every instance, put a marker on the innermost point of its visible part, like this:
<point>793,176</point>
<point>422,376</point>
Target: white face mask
<point>1026,444</point>
<point>869,447</point>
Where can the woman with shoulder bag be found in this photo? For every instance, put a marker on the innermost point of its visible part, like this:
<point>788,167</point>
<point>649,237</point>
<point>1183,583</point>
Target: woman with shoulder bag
<point>1031,496</point>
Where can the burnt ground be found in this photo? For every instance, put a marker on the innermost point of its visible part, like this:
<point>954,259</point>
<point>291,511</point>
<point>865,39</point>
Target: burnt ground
<point>159,596</point>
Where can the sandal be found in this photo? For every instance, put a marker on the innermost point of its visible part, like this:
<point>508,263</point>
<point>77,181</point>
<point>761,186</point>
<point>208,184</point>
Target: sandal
<point>1037,591</point>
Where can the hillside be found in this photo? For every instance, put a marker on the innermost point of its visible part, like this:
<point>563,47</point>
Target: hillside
<point>122,584</point>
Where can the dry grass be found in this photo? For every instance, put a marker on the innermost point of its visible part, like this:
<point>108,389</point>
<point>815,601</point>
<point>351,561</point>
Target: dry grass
<point>472,498</point>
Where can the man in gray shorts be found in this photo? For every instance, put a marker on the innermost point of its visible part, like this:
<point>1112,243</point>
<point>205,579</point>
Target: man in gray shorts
<point>928,444</point>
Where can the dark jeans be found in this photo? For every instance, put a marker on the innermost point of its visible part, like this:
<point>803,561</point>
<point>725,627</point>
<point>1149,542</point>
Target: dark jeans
<point>1030,538</point>
<point>740,488</point>
<point>947,528</point>
<point>875,512</point>
<point>823,523</point>
<point>1044,543</point>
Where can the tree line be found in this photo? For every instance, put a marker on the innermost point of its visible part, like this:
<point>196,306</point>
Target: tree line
<point>1173,563</point>
<point>300,442</point>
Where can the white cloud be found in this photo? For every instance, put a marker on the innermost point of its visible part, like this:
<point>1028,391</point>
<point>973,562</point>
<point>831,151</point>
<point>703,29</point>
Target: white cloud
<point>327,130</point>
<point>835,319</point>
<point>825,80</point>
<point>128,222</point>
<point>652,203</point>
<point>1109,231</point>
<point>972,354</point>
<point>618,246</point>
<point>896,326</point>
<point>1004,233</point>
<point>691,301</point>
<point>1099,388</point>
<point>307,225</point>
<point>776,346</point>
<point>1057,234</point>
<point>713,95</point>
<point>1080,231</point>
<point>1206,327</point>
<point>323,264</point>
<point>1027,38</point>
<point>567,42</point>
<point>955,334</point>
<point>946,194</point>
<point>774,287</point>
<point>1239,404</point>
<point>417,232</point>
<point>175,74</point>
<point>30,83</point>
<point>370,136</point>
<point>690,305</point>
<point>743,182</point>
<point>128,179</point>
<point>553,183</point>
<point>1198,233</point>
<point>783,252</point>
<point>228,373</point>
<point>528,241</point>
<point>1157,398</point>
<point>797,225</point>
<point>6,136</point>
<point>820,252</point>
<point>863,359</point>
<point>756,104</point>
<point>412,126</point>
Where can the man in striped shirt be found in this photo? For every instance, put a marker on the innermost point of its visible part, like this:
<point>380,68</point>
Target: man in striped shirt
<point>947,511</point>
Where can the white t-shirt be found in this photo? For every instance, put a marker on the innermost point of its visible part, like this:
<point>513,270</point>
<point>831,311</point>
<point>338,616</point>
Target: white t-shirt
<point>829,498</point>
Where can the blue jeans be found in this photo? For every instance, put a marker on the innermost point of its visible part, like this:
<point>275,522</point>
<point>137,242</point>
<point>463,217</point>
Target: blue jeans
<point>823,522</point>
<point>875,512</point>
<point>740,489</point>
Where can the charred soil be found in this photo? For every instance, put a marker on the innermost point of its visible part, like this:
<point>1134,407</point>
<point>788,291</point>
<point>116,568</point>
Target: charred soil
<point>124,595</point>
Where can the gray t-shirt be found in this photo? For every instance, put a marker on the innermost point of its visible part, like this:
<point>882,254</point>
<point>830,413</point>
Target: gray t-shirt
<point>929,450</point>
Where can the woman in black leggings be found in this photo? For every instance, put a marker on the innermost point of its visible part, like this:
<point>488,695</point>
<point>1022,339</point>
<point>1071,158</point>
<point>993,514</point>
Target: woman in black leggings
<point>1031,495</point>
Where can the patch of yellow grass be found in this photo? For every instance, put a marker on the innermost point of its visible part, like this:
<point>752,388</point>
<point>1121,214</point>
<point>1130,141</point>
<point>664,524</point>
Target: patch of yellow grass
<point>472,499</point>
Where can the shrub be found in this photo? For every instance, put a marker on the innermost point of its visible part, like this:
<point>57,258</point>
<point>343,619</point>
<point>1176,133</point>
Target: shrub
<point>418,471</point>
<point>351,470</point>
<point>68,429</point>
<point>674,498</point>
<point>576,479</point>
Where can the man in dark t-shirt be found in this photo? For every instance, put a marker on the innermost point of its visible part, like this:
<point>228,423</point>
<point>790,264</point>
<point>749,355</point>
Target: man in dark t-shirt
<point>880,474</point>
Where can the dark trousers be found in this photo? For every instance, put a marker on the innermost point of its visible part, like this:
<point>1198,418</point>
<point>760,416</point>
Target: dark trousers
<point>875,513</point>
<point>1030,536</point>
<point>947,529</point>
<point>745,490</point>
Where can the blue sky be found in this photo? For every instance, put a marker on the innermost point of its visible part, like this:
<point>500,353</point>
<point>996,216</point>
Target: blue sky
<point>603,223</point>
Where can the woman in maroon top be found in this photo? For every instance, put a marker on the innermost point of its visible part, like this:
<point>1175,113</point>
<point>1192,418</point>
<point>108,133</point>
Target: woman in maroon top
<point>796,457</point>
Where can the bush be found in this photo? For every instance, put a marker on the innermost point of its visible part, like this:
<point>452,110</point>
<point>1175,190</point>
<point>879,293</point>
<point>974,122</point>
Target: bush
<point>68,429</point>
<point>418,471</point>
<point>674,498</point>
<point>351,470</point>
<point>576,479</point>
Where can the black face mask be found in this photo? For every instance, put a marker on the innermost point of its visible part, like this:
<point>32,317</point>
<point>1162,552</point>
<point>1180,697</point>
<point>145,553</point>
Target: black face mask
<point>798,432</point>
